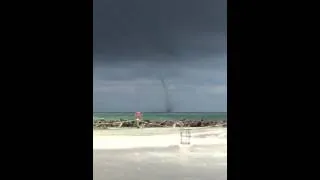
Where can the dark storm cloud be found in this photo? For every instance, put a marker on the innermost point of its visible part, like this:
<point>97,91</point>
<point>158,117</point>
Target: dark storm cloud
<point>138,42</point>
<point>153,68</point>
<point>169,27</point>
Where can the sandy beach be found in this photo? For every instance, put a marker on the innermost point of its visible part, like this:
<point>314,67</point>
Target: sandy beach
<point>156,153</point>
<point>154,137</point>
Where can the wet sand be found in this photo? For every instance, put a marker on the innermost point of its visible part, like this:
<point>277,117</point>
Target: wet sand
<point>157,155</point>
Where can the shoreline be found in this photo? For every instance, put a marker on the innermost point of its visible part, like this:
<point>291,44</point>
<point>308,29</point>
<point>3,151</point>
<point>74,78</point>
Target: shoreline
<point>106,124</point>
<point>133,131</point>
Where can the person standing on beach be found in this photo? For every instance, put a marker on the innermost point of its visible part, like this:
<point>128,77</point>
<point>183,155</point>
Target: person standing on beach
<point>138,116</point>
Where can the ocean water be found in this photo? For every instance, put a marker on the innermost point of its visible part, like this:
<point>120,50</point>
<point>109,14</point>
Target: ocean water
<point>154,116</point>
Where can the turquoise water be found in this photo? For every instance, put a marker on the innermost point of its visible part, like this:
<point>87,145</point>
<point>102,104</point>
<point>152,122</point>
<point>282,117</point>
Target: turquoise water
<point>163,116</point>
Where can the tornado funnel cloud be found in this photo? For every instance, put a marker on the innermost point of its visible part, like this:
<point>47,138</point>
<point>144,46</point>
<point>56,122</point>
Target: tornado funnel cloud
<point>168,105</point>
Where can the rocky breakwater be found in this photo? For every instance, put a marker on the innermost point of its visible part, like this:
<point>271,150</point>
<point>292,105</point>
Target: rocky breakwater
<point>105,124</point>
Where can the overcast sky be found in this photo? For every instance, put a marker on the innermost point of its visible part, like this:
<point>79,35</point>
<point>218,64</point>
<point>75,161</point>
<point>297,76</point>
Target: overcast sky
<point>136,42</point>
